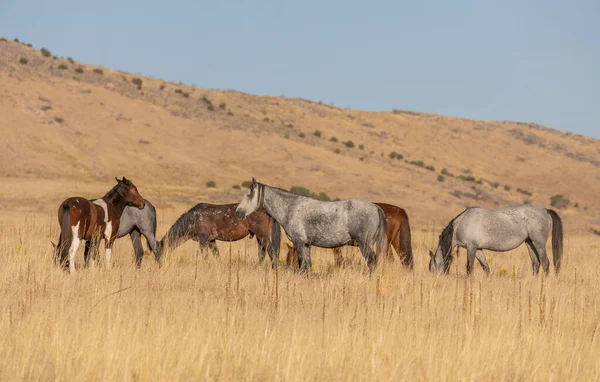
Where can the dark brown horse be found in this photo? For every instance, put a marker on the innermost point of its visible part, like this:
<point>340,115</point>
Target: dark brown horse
<point>398,234</point>
<point>206,223</point>
<point>81,219</point>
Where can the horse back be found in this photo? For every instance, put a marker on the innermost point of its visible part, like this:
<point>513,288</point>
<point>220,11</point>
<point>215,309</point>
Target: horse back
<point>395,217</point>
<point>81,212</point>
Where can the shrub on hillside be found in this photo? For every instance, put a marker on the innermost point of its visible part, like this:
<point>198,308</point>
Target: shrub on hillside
<point>333,139</point>
<point>45,52</point>
<point>349,144</point>
<point>211,184</point>
<point>395,155</point>
<point>23,61</point>
<point>137,82</point>
<point>98,71</point>
<point>317,133</point>
<point>246,183</point>
<point>559,201</point>
<point>445,172</point>
<point>62,67</point>
<point>79,70</point>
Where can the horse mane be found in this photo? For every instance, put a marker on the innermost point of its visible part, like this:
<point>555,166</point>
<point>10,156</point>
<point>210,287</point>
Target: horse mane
<point>447,234</point>
<point>119,190</point>
<point>181,227</point>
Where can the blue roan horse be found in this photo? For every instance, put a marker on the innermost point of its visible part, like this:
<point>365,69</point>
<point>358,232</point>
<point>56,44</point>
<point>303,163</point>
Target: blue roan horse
<point>500,230</point>
<point>310,222</point>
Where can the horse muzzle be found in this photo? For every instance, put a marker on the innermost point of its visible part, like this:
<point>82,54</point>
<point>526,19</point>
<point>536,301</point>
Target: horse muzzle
<point>240,214</point>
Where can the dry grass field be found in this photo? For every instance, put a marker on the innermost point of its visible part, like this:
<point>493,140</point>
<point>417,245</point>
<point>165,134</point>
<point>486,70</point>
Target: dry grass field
<point>68,128</point>
<point>227,318</point>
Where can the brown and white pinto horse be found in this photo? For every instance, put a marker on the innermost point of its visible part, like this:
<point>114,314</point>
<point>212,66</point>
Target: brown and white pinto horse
<point>81,219</point>
<point>398,236</point>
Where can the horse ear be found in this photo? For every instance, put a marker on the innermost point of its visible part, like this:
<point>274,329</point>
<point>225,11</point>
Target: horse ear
<point>289,245</point>
<point>117,179</point>
<point>254,181</point>
<point>431,254</point>
<point>124,180</point>
<point>53,245</point>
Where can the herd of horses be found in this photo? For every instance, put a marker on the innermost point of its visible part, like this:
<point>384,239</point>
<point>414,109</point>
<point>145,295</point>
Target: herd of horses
<point>375,228</point>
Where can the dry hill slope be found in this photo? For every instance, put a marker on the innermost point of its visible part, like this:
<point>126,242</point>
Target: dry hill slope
<point>67,128</point>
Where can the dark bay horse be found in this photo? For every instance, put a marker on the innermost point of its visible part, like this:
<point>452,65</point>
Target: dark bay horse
<point>134,222</point>
<point>398,235</point>
<point>309,222</point>
<point>81,219</point>
<point>500,230</point>
<point>206,223</point>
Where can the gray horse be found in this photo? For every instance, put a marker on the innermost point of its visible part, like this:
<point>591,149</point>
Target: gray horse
<point>310,222</point>
<point>500,230</point>
<point>134,222</point>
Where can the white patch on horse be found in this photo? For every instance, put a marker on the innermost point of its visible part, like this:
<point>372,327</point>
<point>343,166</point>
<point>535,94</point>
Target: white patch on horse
<point>108,257</point>
<point>102,204</point>
<point>108,229</point>
<point>73,248</point>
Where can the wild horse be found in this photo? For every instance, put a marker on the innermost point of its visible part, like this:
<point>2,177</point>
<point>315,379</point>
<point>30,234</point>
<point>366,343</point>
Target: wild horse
<point>500,230</point>
<point>206,223</point>
<point>398,236</point>
<point>310,222</point>
<point>134,222</point>
<point>82,219</point>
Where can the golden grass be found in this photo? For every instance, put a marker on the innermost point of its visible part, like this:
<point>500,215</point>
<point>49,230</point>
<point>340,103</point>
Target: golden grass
<point>227,318</point>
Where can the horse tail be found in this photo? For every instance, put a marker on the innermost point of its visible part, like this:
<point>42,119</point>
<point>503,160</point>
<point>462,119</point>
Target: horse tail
<point>381,238</point>
<point>66,235</point>
<point>557,239</point>
<point>275,246</point>
<point>405,242</point>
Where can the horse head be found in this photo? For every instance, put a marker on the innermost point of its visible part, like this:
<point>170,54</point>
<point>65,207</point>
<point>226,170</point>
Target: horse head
<point>250,200</point>
<point>131,193</point>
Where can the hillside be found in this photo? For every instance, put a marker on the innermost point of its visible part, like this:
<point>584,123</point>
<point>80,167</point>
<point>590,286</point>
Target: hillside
<point>68,128</point>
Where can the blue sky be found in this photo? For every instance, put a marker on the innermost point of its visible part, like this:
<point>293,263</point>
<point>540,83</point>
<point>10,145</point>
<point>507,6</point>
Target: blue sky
<point>531,61</point>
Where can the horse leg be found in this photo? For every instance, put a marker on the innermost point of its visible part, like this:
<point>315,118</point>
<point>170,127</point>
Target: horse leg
<point>108,253</point>
<point>337,256</point>
<point>151,241</point>
<point>138,250</point>
<point>535,260</point>
<point>369,255</point>
<point>261,250</point>
<point>273,255</point>
<point>202,248</point>
<point>471,251</point>
<point>481,258</point>
<point>91,250</point>
<point>395,243</point>
<point>540,248</point>
<point>86,253</point>
<point>213,247</point>
<point>75,241</point>
<point>303,257</point>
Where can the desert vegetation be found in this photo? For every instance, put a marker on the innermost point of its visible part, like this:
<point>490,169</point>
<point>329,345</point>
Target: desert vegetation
<point>278,325</point>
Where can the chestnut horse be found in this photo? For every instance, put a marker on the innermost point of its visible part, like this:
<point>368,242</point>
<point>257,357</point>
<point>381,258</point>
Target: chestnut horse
<point>81,219</point>
<point>398,235</point>
<point>206,223</point>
